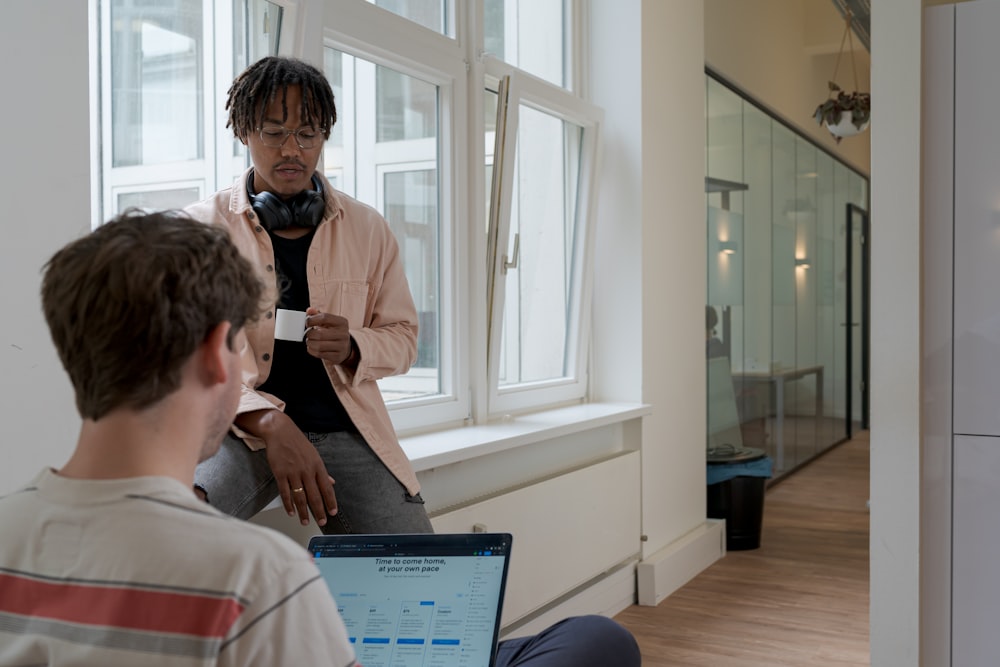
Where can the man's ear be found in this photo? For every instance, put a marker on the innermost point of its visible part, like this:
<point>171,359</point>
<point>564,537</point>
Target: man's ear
<point>215,354</point>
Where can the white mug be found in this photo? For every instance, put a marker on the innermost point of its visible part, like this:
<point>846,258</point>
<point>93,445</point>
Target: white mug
<point>290,325</point>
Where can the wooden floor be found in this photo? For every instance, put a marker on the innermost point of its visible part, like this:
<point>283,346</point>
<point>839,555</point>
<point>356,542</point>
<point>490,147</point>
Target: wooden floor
<point>799,600</point>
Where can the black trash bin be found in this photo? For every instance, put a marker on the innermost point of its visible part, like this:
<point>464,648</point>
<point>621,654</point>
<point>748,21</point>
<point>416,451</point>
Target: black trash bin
<point>738,496</point>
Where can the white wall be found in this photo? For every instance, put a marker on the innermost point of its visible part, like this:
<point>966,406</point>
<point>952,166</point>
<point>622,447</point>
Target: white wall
<point>895,338</point>
<point>46,192</point>
<point>647,68</point>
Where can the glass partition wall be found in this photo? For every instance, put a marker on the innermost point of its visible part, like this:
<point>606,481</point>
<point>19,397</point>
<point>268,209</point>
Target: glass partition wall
<point>783,217</point>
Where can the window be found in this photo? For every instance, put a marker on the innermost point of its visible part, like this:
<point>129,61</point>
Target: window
<point>432,14</point>
<point>404,149</point>
<point>529,35</point>
<point>385,153</point>
<point>162,91</point>
<point>496,254</point>
<point>538,293</point>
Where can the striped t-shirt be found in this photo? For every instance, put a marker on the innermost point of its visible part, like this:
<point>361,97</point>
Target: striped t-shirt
<point>139,572</point>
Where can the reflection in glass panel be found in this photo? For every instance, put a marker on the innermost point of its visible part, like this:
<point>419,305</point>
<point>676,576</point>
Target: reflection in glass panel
<point>431,14</point>
<point>156,82</point>
<point>725,134</point>
<point>840,201</point>
<point>724,428</point>
<point>384,151</point>
<point>158,200</point>
<point>856,220</point>
<point>406,108</point>
<point>261,23</point>
<point>787,338</point>
<point>725,267</point>
<point>783,284</point>
<point>411,207</point>
<point>803,409</point>
<point>752,359</point>
<point>334,70</point>
<point>493,27</point>
<point>826,316</point>
<point>534,337</point>
<point>528,34</point>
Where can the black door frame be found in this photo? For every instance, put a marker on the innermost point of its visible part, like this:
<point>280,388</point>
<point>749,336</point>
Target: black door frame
<point>865,259</point>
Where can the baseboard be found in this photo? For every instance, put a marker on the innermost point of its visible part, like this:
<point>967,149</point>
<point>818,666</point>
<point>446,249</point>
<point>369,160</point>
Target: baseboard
<point>668,569</point>
<point>607,595</point>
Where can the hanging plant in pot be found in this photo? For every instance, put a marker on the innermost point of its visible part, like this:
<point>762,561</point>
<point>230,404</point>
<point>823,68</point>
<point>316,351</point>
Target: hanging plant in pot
<point>844,114</point>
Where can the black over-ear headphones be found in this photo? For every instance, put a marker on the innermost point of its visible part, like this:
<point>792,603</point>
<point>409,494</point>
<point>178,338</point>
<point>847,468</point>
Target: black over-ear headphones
<point>305,209</point>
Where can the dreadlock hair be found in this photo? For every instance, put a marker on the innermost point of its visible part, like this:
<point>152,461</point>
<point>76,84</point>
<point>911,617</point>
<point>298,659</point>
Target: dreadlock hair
<point>258,86</point>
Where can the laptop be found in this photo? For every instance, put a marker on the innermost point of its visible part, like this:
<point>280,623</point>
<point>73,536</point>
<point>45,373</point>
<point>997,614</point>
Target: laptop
<point>429,600</point>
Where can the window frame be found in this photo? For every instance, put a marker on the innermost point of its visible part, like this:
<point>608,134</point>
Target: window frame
<point>460,69</point>
<point>364,30</point>
<point>218,166</point>
<point>523,88</point>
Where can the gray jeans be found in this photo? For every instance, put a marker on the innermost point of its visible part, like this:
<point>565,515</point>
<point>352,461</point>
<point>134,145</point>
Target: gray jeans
<point>369,498</point>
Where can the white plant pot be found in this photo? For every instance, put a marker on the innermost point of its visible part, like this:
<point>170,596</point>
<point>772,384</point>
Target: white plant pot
<point>845,127</point>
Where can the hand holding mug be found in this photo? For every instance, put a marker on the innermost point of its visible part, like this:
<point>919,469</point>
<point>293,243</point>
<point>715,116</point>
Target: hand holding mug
<point>327,336</point>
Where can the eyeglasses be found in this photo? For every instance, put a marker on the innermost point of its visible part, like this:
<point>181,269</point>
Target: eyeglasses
<point>275,136</point>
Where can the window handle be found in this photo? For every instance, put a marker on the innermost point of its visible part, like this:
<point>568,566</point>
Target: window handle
<point>512,264</point>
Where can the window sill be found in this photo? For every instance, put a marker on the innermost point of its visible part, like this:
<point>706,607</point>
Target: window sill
<point>441,448</point>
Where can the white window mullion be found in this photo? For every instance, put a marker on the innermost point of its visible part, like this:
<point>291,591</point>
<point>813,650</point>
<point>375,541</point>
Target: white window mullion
<point>210,119</point>
<point>335,158</point>
<point>365,118</point>
<point>106,154</point>
<point>217,71</point>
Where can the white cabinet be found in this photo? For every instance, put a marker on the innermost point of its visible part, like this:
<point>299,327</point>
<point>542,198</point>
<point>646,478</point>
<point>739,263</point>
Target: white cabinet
<point>960,545</point>
<point>977,219</point>
<point>976,551</point>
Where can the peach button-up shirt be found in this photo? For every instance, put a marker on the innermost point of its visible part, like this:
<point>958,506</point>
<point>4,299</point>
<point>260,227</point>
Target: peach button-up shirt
<point>354,270</point>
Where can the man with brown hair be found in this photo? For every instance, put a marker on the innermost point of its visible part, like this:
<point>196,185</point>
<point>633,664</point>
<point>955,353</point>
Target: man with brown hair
<point>112,560</point>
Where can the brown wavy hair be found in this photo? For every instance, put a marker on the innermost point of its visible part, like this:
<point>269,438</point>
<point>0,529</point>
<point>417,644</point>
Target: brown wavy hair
<point>128,304</point>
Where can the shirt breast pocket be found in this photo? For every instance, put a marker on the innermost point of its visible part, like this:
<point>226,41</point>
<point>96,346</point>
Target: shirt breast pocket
<point>347,298</point>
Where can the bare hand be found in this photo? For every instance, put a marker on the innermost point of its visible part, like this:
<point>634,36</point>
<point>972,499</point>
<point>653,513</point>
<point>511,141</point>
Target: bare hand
<point>302,479</point>
<point>327,336</point>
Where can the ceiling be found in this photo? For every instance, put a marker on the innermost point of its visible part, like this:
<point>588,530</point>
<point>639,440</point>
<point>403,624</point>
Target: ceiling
<point>861,10</point>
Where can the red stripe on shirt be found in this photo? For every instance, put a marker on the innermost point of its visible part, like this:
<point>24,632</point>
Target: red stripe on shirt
<point>116,606</point>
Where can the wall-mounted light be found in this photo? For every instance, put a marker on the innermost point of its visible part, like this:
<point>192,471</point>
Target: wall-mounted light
<point>728,247</point>
<point>724,188</point>
<point>801,262</point>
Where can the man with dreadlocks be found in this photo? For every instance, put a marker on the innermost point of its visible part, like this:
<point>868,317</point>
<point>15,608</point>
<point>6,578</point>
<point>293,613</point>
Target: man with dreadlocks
<point>311,411</point>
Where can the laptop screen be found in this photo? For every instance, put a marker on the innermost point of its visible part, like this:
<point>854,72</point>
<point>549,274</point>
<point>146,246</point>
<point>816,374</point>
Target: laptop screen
<point>418,600</point>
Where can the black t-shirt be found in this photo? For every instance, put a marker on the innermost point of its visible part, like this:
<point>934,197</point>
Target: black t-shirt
<point>297,377</point>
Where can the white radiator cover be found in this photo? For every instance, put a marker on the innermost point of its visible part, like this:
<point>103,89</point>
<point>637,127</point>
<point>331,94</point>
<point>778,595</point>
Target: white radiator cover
<point>568,529</point>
